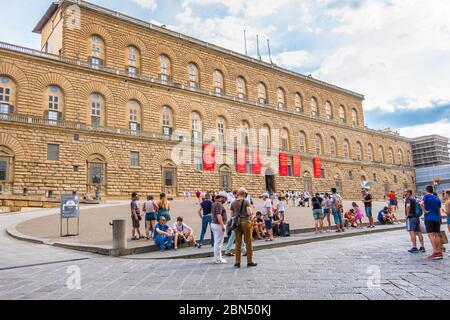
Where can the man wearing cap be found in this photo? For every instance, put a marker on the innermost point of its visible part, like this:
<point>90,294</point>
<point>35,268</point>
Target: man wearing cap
<point>267,213</point>
<point>218,221</point>
<point>242,208</point>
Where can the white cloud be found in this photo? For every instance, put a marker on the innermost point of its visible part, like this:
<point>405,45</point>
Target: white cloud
<point>294,59</point>
<point>147,4</point>
<point>393,52</point>
<point>441,127</point>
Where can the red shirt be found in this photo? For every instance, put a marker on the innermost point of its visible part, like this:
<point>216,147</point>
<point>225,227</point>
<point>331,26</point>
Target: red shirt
<point>391,196</point>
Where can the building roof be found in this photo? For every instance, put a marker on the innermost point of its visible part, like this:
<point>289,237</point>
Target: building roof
<point>116,15</point>
<point>428,137</point>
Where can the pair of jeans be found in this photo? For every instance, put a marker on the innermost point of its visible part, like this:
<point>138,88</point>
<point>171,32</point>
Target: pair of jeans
<point>244,229</point>
<point>163,241</point>
<point>230,243</point>
<point>218,240</point>
<point>205,221</point>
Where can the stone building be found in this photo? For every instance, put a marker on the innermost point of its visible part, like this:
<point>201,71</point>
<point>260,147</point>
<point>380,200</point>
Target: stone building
<point>107,99</point>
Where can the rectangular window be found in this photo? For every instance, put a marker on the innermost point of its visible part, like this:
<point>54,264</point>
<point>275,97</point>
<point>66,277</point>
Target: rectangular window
<point>198,162</point>
<point>96,173</point>
<point>134,159</point>
<point>53,152</point>
<point>53,115</point>
<point>4,108</point>
<point>3,169</point>
<point>168,178</point>
<point>322,173</point>
<point>374,177</point>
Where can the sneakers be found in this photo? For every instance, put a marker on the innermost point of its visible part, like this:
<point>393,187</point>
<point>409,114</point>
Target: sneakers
<point>222,261</point>
<point>252,264</point>
<point>422,249</point>
<point>229,254</point>
<point>436,256</point>
<point>413,250</point>
<point>237,265</point>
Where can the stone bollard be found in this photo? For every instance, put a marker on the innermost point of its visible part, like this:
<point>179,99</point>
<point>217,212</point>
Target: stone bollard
<point>119,234</point>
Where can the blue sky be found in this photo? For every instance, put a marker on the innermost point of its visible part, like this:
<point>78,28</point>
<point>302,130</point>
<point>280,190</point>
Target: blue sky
<point>395,52</point>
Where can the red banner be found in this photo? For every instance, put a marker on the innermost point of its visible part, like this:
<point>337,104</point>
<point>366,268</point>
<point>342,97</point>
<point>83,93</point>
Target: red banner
<point>241,165</point>
<point>209,157</point>
<point>317,167</point>
<point>256,166</point>
<point>296,165</point>
<point>283,164</point>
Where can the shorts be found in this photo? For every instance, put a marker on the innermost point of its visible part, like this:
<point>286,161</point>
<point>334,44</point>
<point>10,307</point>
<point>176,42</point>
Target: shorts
<point>268,223</point>
<point>433,226</point>
<point>392,202</point>
<point>413,224</point>
<point>318,214</point>
<point>368,212</point>
<point>337,216</point>
<point>326,211</point>
<point>135,222</point>
<point>150,216</point>
<point>282,213</point>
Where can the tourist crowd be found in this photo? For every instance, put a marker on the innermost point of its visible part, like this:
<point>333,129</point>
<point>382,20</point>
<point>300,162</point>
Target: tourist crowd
<point>244,221</point>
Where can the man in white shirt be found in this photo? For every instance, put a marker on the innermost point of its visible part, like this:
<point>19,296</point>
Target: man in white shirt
<point>183,233</point>
<point>267,213</point>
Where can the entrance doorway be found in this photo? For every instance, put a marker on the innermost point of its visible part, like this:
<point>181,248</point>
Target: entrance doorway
<point>307,182</point>
<point>270,180</point>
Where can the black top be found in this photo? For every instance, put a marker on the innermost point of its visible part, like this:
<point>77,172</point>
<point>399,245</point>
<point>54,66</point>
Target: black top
<point>317,202</point>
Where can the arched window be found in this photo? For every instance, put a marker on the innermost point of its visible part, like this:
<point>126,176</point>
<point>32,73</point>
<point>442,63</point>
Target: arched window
<point>381,154</point>
<point>342,116</point>
<point>196,126</point>
<point>133,57</point>
<point>391,155</point>
<point>370,152</point>
<point>298,103</point>
<point>346,149</point>
<point>284,139</point>
<point>97,109</point>
<point>241,88</point>
<point>193,82</point>
<point>245,133</point>
<point>400,157</point>
<point>7,95</point>
<point>53,103</point>
<point>262,93</point>
<point>302,142</point>
<point>333,150</point>
<point>281,98</point>
<point>134,113</point>
<point>218,82</point>
<point>221,129</point>
<point>318,144</point>
<point>265,137</point>
<point>328,111</point>
<point>314,108</point>
<point>164,68</point>
<point>97,51</point>
<point>354,118</point>
<point>167,120</point>
<point>358,151</point>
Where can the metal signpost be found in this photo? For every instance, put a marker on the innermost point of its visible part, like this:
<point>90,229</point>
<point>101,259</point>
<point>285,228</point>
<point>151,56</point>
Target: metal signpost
<point>70,209</point>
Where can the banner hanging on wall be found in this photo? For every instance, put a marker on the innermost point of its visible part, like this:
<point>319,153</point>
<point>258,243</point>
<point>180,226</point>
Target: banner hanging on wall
<point>296,165</point>
<point>317,167</point>
<point>256,166</point>
<point>240,161</point>
<point>283,164</point>
<point>209,157</point>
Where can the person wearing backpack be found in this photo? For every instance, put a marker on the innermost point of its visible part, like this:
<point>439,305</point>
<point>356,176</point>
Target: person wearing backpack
<point>413,212</point>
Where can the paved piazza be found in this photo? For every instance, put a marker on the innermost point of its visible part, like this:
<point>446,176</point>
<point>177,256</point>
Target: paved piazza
<point>335,269</point>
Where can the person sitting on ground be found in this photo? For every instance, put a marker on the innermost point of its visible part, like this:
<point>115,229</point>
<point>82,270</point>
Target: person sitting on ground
<point>358,215</point>
<point>163,235</point>
<point>183,233</point>
<point>276,223</point>
<point>258,225</point>
<point>349,218</point>
<point>385,216</point>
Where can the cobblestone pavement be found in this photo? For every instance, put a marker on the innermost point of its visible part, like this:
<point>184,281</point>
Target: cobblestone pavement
<point>335,269</point>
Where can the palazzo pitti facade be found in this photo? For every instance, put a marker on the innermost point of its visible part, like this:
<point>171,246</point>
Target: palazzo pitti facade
<point>107,99</point>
